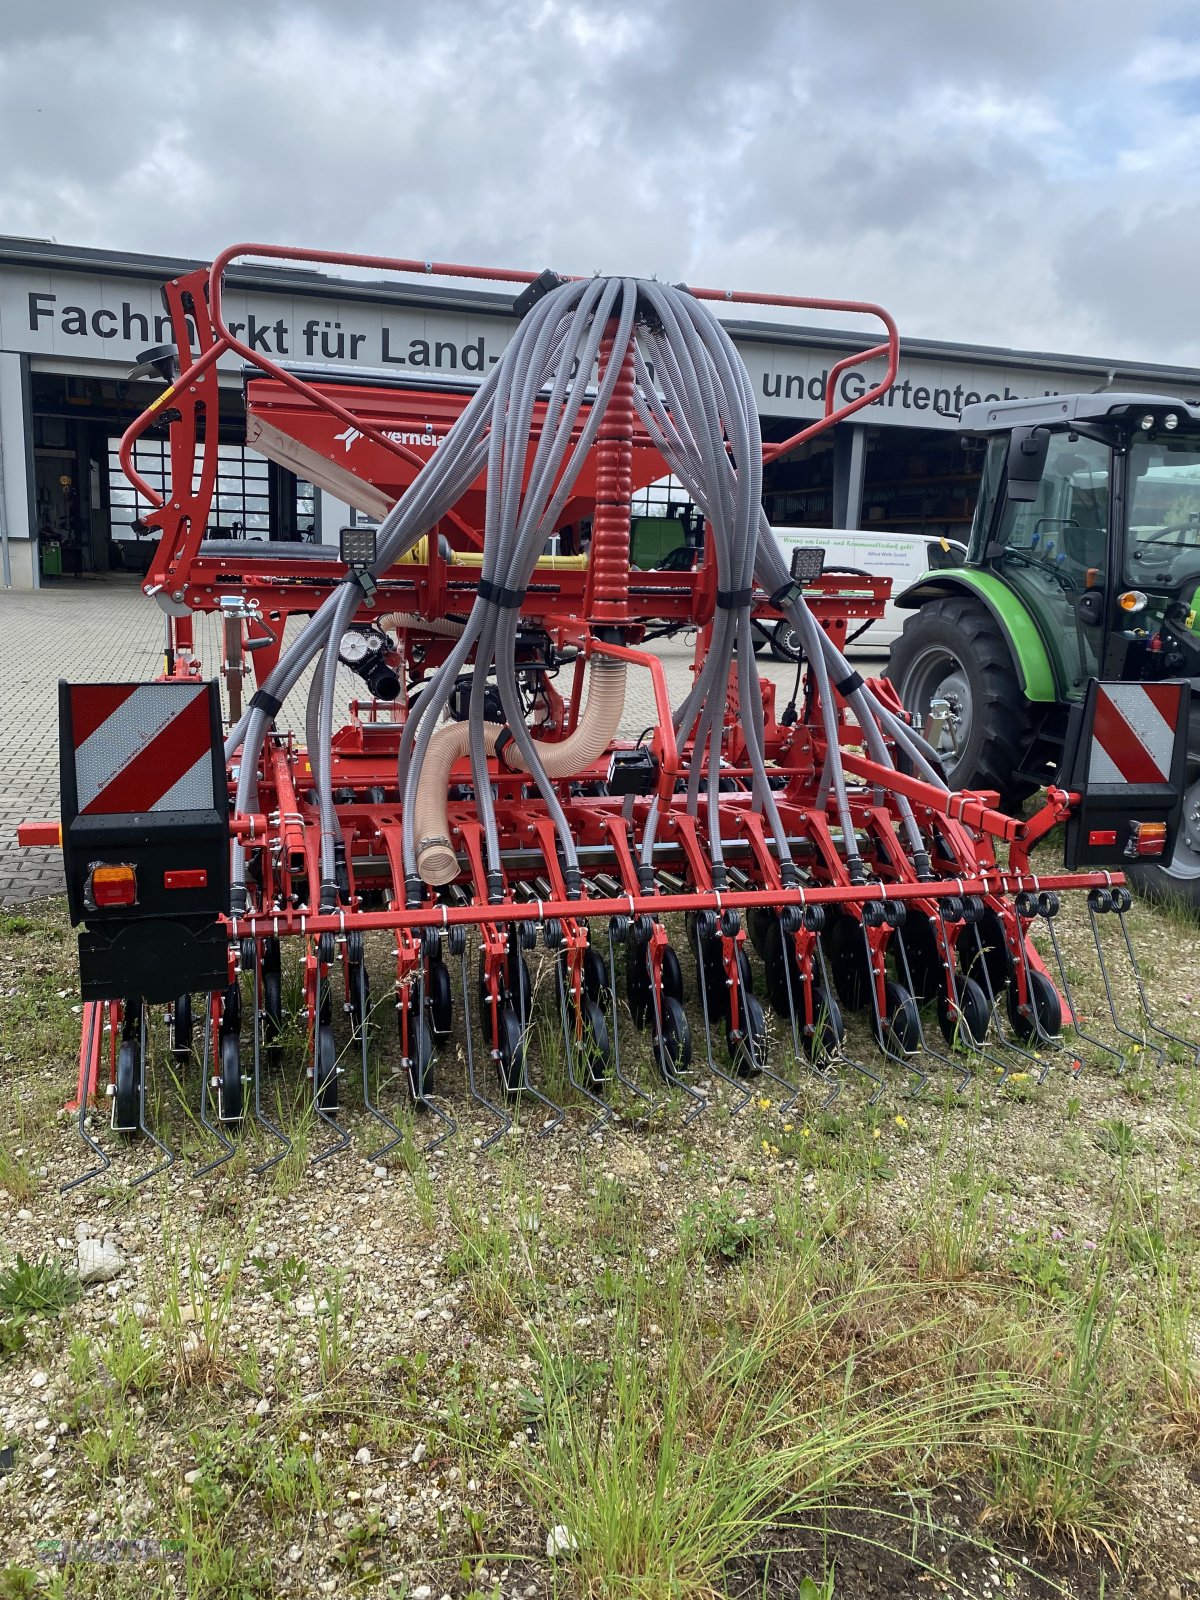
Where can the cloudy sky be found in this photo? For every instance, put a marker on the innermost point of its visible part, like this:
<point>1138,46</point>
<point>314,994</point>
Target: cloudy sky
<point>1020,173</point>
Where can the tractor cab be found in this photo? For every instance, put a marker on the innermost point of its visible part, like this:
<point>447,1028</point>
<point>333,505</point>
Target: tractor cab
<point>1083,566</point>
<point>1093,522</point>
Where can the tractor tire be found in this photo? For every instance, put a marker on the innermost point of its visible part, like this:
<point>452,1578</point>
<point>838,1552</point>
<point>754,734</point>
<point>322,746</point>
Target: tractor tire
<point>1178,881</point>
<point>954,649</point>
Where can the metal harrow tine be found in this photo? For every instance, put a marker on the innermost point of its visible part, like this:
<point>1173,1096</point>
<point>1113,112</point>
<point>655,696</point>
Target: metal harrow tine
<point>966,1076</point>
<point>558,1113</point>
<point>502,1117</point>
<point>230,1149</point>
<point>168,1160</point>
<point>1091,1038</point>
<point>962,1027</point>
<point>726,1077</point>
<point>90,1043</point>
<point>430,1104</point>
<point>828,1075</point>
<point>1120,910</point>
<point>372,1109</point>
<point>1050,1042</point>
<point>1126,1033</point>
<point>629,1083</point>
<point>884,1033</point>
<point>342,1140</point>
<point>259,1115</point>
<point>995,1011</point>
<point>670,1076</point>
<point>606,1111</point>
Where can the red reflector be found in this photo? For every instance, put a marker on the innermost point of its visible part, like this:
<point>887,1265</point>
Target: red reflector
<point>192,878</point>
<point>1151,847</point>
<point>37,835</point>
<point>112,886</point>
<point>1102,836</point>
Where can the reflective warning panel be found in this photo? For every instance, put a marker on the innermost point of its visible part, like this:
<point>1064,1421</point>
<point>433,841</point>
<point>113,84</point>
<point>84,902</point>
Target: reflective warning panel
<point>1125,758</point>
<point>142,747</point>
<point>1133,732</point>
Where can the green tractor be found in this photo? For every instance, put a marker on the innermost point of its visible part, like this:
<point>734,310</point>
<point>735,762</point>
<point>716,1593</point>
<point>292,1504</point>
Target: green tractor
<point>1083,563</point>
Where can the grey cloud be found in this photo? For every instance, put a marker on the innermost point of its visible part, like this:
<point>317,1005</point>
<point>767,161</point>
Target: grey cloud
<point>836,150</point>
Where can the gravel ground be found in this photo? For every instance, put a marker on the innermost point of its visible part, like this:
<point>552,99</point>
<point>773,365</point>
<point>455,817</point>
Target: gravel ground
<point>335,1314</point>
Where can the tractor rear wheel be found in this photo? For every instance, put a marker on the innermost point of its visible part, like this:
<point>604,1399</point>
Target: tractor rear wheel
<point>954,650</point>
<point>1178,880</point>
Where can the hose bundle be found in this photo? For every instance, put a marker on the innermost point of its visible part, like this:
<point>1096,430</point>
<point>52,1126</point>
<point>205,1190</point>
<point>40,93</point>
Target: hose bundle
<point>694,397</point>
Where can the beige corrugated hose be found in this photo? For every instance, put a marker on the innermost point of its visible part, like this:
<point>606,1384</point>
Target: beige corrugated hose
<point>561,758</point>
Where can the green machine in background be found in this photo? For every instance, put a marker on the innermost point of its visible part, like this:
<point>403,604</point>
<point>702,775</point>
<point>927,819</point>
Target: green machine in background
<point>1083,563</point>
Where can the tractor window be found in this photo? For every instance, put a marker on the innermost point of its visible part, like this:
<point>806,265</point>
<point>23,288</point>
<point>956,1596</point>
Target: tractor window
<point>1163,548</point>
<point>1054,547</point>
<point>990,488</point>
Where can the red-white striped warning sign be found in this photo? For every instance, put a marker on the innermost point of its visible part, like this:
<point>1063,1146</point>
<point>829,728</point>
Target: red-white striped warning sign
<point>1133,734</point>
<point>141,747</point>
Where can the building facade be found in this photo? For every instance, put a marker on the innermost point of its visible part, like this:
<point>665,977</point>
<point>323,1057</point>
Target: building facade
<point>74,321</point>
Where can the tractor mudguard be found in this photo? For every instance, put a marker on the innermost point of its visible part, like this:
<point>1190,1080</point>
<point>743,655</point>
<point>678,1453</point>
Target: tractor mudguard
<point>1029,653</point>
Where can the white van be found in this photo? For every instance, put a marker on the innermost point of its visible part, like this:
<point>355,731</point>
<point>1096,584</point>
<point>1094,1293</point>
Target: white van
<point>905,558</point>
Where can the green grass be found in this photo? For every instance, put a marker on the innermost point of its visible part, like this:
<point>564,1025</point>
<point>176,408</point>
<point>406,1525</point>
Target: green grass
<point>38,1288</point>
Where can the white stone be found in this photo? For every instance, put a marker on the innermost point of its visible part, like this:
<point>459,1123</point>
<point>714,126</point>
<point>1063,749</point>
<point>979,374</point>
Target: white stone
<point>263,1407</point>
<point>99,1260</point>
<point>422,1592</point>
<point>24,1216</point>
<point>418,1454</point>
<point>363,1457</point>
<point>560,1541</point>
<point>380,1172</point>
<point>190,1477</point>
<point>39,1380</point>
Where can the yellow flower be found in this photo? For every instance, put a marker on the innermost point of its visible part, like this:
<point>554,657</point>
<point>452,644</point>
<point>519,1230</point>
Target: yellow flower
<point>901,1122</point>
<point>875,1133</point>
<point>766,1147</point>
<point>806,1133</point>
<point>763,1103</point>
<point>787,1127</point>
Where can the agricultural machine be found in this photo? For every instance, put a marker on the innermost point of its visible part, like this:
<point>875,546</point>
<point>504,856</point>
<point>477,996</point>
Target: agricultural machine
<point>572,923</point>
<point>1084,563</point>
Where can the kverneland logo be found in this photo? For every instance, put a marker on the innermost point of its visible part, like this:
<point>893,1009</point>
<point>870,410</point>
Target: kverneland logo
<point>429,440</point>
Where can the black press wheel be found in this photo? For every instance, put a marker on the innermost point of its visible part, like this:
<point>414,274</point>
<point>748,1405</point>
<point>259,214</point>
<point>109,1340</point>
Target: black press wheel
<point>673,1045</point>
<point>127,1089</point>
<point>440,997</point>
<point>971,1025</point>
<point>828,1030</point>
<point>953,650</point>
<point>325,1088</point>
<point>595,1047</point>
<point>1046,1006</point>
<point>231,1101</point>
<point>595,974</point>
<point>419,1062</point>
<point>747,1043</point>
<point>181,1027</point>
<point>359,989</point>
<point>510,1043</point>
<point>901,1030</point>
<point>639,989</point>
<point>272,1006</point>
